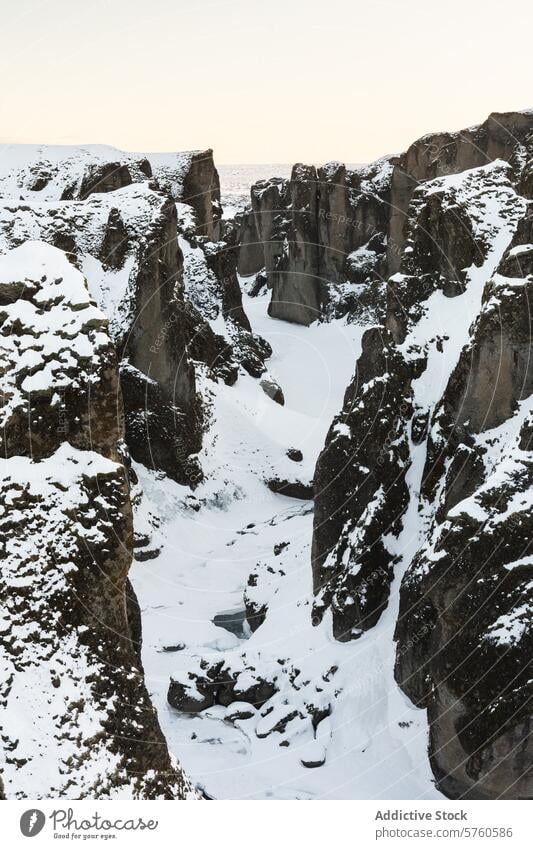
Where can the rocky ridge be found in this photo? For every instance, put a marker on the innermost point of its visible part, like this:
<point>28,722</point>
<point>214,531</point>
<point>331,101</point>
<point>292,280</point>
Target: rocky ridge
<point>121,229</point>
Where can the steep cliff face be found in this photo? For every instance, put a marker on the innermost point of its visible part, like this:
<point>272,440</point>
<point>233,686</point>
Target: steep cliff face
<point>318,237</point>
<point>420,268</point>
<point>431,452</point>
<point>296,286</point>
<point>125,235</point>
<point>76,717</point>
<point>424,475</point>
<point>361,493</point>
<point>192,179</point>
<point>328,237</point>
<point>259,233</point>
<point>126,244</point>
<point>360,490</point>
<point>471,580</point>
<point>502,136</point>
<point>220,335</point>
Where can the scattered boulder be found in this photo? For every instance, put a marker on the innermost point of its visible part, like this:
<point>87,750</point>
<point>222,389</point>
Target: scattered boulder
<point>291,488</point>
<point>276,720</point>
<point>314,755</point>
<point>239,712</point>
<point>218,684</point>
<point>193,697</point>
<point>273,390</point>
<point>259,285</point>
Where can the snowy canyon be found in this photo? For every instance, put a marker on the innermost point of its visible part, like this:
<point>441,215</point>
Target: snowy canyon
<point>266,507</point>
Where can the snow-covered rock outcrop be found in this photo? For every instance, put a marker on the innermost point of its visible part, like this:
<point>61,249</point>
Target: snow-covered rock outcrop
<point>172,303</point>
<point>430,453</point>
<point>77,721</point>
<point>318,237</point>
<point>471,581</point>
<point>289,606</point>
<point>425,473</point>
<point>325,240</point>
<point>63,172</point>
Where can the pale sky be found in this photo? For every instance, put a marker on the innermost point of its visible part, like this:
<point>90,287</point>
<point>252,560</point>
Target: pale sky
<point>272,81</point>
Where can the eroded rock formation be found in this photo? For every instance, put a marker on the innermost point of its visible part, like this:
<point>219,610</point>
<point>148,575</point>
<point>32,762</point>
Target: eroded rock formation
<point>425,473</point>
<point>129,233</point>
<point>77,721</point>
<point>431,452</point>
<point>470,583</point>
<point>317,236</point>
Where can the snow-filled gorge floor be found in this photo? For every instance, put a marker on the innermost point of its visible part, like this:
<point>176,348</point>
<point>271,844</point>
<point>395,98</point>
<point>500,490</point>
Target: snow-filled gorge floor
<point>374,741</point>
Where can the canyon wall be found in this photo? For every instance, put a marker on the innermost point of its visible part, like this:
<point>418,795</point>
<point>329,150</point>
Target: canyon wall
<point>430,456</point>
<point>77,721</point>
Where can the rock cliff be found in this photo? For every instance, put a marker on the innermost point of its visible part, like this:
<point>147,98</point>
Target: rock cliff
<point>142,232</point>
<point>427,468</point>
<point>77,721</point>
<point>324,233</point>
<point>471,580</point>
<point>156,392</point>
<point>318,236</point>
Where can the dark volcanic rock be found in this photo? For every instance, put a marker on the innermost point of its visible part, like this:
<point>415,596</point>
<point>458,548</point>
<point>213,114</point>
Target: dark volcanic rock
<point>313,763</point>
<point>193,698</point>
<point>104,178</point>
<point>222,259</point>
<point>291,488</point>
<point>115,246</point>
<point>360,489</point>
<point>127,241</point>
<point>464,631</point>
<point>441,154</point>
<point>296,286</point>
<point>260,229</point>
<point>71,637</point>
<point>164,416</point>
<point>158,433</point>
<point>273,390</point>
<point>211,291</point>
<point>361,492</point>
<point>156,344</point>
<point>201,190</point>
<point>255,613</point>
<point>315,235</point>
<point>218,684</point>
<point>251,252</point>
